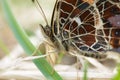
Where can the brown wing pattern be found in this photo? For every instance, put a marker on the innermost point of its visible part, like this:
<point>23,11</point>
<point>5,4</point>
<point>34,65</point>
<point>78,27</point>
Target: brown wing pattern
<point>92,26</point>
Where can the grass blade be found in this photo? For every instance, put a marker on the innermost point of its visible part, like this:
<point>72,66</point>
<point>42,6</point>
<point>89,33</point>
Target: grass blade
<point>85,77</point>
<point>28,47</point>
<point>4,47</point>
<point>117,76</point>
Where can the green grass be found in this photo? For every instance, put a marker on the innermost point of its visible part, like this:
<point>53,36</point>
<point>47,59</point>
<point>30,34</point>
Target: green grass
<point>28,47</point>
<point>117,76</point>
<point>4,48</point>
<point>85,70</point>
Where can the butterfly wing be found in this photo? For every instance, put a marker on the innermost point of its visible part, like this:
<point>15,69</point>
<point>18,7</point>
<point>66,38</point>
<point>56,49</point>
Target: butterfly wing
<point>92,26</point>
<point>109,11</point>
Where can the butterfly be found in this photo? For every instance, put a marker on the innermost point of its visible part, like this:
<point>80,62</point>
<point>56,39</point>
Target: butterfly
<point>88,27</point>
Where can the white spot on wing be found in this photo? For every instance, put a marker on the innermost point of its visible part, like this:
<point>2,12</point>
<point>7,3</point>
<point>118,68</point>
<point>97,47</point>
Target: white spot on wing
<point>78,20</point>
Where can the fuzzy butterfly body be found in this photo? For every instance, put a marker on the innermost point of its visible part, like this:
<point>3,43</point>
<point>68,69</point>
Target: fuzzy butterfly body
<point>89,27</point>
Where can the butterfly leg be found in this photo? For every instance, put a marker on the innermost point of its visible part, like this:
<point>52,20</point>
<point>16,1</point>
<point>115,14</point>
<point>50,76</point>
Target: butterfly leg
<point>93,61</point>
<point>79,64</point>
<point>80,59</point>
<point>97,64</point>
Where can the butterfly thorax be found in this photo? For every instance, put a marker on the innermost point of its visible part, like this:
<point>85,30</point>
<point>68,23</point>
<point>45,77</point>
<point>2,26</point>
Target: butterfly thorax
<point>54,40</point>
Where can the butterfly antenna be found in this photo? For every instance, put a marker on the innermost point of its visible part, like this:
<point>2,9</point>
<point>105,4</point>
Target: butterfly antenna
<point>40,10</point>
